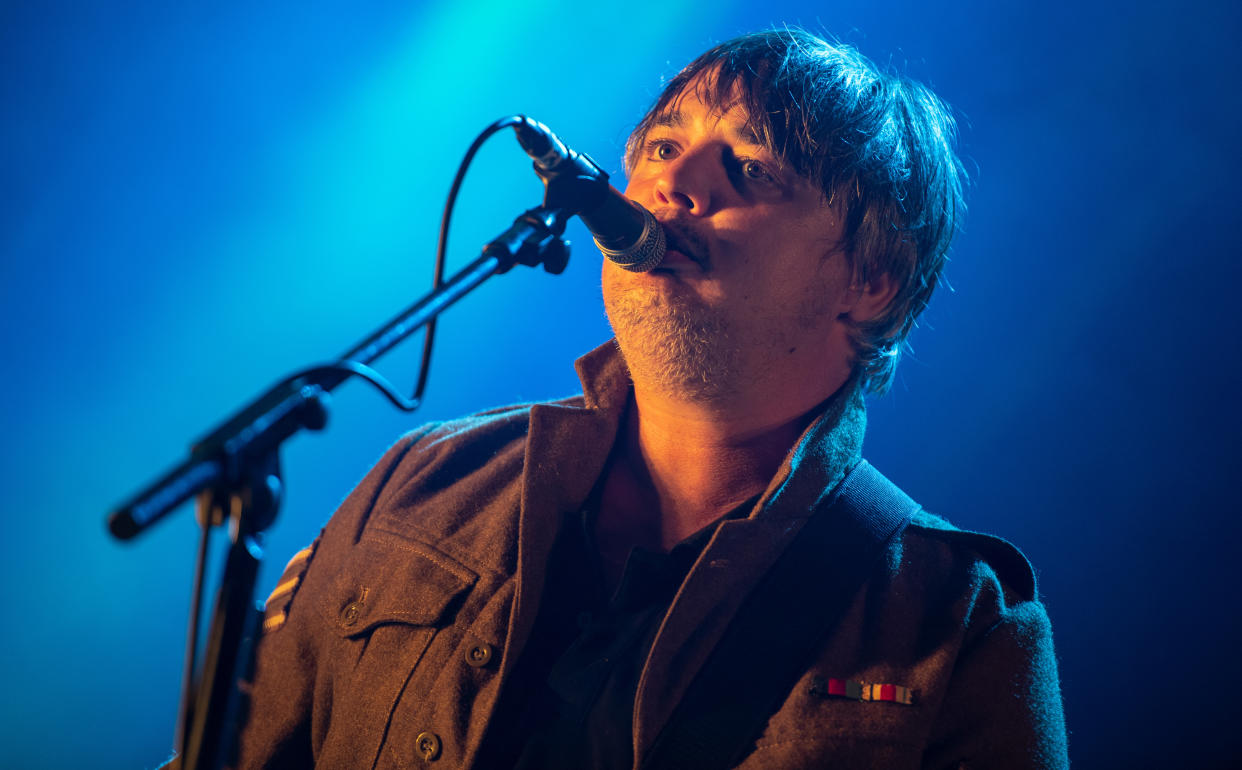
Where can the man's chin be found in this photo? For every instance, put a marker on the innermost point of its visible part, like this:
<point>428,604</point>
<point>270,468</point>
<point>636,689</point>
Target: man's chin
<point>680,351</point>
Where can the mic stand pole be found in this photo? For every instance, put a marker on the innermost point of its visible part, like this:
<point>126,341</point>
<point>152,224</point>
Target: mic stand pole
<point>235,472</point>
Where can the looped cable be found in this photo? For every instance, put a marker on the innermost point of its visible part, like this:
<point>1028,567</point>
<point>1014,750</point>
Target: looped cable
<point>358,370</point>
<point>424,366</point>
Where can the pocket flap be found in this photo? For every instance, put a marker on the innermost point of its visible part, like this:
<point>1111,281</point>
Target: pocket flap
<point>396,582</point>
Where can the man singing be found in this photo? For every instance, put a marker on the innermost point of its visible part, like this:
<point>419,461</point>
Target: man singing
<point>689,565</point>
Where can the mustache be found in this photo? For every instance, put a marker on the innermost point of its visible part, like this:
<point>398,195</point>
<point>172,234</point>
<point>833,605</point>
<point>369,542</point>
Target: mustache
<point>680,235</point>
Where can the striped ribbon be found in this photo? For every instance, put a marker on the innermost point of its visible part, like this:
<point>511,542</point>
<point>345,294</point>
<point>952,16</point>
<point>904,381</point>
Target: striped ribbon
<point>848,688</point>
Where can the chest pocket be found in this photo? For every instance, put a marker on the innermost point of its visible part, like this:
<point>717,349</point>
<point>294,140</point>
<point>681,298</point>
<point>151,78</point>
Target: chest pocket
<point>386,606</point>
<point>391,582</point>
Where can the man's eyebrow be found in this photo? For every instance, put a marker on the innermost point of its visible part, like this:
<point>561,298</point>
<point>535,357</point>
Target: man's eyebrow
<point>671,119</point>
<point>749,133</point>
<point>746,131</point>
<point>674,119</point>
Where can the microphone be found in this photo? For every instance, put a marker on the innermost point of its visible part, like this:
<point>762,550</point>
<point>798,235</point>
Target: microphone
<point>626,233</point>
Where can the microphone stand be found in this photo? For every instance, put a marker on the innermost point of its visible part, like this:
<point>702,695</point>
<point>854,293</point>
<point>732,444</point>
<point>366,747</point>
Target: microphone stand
<point>235,472</point>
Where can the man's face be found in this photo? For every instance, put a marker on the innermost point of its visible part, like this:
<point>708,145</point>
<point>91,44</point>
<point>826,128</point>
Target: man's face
<point>753,282</point>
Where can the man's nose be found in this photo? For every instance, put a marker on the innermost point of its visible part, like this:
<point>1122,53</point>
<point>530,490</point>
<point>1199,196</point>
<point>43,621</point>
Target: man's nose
<point>687,182</point>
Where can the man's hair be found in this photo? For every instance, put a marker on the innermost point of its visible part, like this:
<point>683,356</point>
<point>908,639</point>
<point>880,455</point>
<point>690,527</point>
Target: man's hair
<point>880,147</point>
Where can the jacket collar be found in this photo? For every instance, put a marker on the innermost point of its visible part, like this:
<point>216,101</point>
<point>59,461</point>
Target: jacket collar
<point>605,378</point>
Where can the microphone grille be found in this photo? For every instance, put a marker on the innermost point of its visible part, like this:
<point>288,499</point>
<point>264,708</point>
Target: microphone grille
<point>643,255</point>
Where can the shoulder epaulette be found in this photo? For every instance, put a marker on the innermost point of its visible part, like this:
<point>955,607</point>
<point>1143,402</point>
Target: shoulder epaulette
<point>276,609</point>
<point>1009,563</point>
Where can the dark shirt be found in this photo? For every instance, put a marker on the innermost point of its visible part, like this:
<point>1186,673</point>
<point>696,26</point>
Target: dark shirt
<point>572,702</point>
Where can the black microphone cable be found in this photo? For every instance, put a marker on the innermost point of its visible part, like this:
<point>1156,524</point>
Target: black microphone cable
<point>369,374</point>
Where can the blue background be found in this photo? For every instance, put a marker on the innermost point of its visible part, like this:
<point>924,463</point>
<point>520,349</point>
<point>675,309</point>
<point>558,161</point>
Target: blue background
<point>201,198</point>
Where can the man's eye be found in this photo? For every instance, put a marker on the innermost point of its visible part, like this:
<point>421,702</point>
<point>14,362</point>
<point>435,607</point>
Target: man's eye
<point>754,170</point>
<point>660,149</point>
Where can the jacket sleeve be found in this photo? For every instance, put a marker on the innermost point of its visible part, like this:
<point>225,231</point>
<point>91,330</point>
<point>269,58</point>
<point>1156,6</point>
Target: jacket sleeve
<point>1003,704</point>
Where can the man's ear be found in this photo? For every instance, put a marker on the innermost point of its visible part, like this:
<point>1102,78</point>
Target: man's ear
<point>872,299</point>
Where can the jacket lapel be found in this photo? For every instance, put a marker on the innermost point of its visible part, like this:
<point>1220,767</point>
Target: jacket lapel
<point>566,450</point>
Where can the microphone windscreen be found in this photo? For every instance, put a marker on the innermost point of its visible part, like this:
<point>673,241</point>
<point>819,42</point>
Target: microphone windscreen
<point>643,255</point>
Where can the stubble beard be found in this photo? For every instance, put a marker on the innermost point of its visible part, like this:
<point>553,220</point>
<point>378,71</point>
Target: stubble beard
<point>678,346</point>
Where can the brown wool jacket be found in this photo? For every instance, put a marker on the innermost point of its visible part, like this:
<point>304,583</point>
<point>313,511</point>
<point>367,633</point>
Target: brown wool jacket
<point>387,642</point>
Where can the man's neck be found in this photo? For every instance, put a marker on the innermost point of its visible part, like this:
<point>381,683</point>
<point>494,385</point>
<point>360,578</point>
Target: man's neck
<point>680,465</point>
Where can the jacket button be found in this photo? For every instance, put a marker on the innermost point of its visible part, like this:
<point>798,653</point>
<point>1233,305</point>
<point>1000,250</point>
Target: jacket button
<point>428,744</point>
<point>480,655</point>
<point>350,614</point>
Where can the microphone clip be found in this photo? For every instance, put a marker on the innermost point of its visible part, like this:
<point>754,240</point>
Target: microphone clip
<point>573,181</point>
<point>534,238</point>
